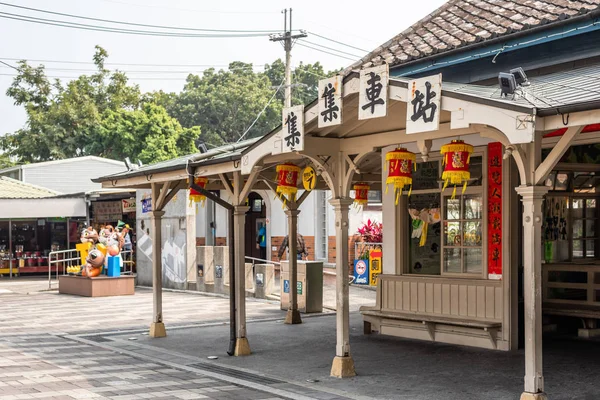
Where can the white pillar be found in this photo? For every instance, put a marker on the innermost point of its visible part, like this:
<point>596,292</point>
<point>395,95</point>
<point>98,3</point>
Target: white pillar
<point>343,364</point>
<point>157,329</point>
<point>293,315</point>
<point>242,347</point>
<point>532,197</point>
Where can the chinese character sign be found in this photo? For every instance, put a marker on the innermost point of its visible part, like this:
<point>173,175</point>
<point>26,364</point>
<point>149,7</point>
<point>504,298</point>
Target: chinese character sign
<point>423,107</point>
<point>373,92</point>
<point>495,210</point>
<point>293,129</point>
<point>330,101</point>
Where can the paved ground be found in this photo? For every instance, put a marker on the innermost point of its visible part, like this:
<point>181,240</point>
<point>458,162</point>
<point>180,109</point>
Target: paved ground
<point>56,346</point>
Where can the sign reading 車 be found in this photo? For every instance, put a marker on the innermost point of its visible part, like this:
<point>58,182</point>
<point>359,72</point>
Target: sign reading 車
<point>373,92</point>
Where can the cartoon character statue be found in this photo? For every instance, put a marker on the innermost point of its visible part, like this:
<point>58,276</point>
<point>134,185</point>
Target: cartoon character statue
<point>105,233</point>
<point>89,235</point>
<point>94,264</point>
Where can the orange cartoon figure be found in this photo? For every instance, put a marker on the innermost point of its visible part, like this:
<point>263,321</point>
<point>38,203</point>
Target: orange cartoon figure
<point>94,263</point>
<point>89,235</point>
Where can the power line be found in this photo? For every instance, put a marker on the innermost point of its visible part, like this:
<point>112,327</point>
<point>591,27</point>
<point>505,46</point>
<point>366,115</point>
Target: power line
<point>133,78</point>
<point>135,24</point>
<point>10,66</point>
<point>262,111</point>
<point>325,51</point>
<point>254,65</point>
<point>329,48</point>
<point>335,41</point>
<point>134,71</point>
<point>67,24</point>
<point>190,9</point>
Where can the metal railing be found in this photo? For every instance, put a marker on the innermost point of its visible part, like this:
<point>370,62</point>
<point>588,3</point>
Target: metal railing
<point>69,258</point>
<point>262,261</point>
<point>62,259</point>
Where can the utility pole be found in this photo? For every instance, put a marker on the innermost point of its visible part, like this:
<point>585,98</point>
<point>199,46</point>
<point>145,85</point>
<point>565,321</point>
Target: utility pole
<point>287,38</point>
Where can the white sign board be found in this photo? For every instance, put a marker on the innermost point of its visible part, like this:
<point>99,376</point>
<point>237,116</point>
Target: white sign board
<point>293,129</point>
<point>373,92</point>
<point>330,102</point>
<point>423,107</point>
<point>128,205</point>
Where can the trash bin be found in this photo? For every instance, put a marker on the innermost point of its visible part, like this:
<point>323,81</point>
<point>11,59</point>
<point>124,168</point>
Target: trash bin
<point>309,287</point>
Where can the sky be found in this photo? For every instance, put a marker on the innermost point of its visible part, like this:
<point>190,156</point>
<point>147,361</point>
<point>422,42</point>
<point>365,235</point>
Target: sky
<point>360,24</point>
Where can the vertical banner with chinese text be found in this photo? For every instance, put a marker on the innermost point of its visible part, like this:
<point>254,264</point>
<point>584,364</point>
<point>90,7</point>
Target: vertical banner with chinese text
<point>330,101</point>
<point>424,104</point>
<point>495,210</point>
<point>373,92</point>
<point>293,129</point>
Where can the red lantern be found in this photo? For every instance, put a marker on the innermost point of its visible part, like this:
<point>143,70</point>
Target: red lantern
<point>195,196</point>
<point>361,196</point>
<point>400,166</point>
<point>287,180</point>
<point>456,161</point>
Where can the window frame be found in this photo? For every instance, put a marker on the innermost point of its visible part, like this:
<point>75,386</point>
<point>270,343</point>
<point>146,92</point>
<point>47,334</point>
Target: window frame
<point>471,190</point>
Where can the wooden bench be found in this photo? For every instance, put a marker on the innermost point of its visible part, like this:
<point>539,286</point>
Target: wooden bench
<point>585,312</point>
<point>491,328</point>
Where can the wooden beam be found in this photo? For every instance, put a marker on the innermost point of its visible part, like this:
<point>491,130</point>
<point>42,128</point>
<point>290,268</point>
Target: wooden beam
<point>227,184</point>
<point>542,171</point>
<point>250,182</point>
<point>158,206</point>
<point>176,187</point>
<point>302,197</point>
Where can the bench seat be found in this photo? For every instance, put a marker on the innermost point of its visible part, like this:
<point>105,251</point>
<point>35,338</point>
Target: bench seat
<point>430,321</point>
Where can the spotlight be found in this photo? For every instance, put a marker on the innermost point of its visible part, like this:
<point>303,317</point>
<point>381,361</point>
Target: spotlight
<point>520,76</point>
<point>508,83</point>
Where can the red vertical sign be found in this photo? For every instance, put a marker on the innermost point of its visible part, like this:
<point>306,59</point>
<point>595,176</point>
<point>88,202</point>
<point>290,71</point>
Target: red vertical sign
<point>495,210</point>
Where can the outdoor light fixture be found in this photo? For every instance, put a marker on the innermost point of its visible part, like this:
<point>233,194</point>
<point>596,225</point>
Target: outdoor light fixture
<point>520,76</point>
<point>508,83</point>
<point>129,165</point>
<point>201,146</point>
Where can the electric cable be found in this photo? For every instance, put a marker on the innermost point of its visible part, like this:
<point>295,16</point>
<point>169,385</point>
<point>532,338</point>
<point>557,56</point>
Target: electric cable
<point>329,48</point>
<point>325,51</point>
<point>262,111</point>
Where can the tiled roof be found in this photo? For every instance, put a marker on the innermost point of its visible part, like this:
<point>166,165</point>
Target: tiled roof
<point>460,23</point>
<point>13,189</point>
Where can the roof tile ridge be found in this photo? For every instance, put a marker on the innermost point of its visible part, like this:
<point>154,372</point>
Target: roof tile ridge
<point>476,23</point>
<point>463,42</point>
<point>368,57</point>
<point>558,15</point>
<point>493,34</point>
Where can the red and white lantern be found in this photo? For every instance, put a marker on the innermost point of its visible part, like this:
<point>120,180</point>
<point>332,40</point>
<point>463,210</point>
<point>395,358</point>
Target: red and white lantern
<point>361,194</point>
<point>400,166</point>
<point>196,196</point>
<point>456,162</point>
<point>287,181</point>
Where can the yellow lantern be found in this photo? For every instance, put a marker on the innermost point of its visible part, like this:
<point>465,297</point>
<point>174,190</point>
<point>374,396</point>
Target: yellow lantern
<point>400,166</point>
<point>456,162</point>
<point>287,181</point>
<point>195,196</point>
<point>361,196</point>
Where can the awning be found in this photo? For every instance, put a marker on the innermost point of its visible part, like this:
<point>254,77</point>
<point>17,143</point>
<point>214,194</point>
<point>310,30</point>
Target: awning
<point>43,208</point>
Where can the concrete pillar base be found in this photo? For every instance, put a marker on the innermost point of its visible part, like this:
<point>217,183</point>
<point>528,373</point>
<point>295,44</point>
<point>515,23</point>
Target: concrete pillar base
<point>534,396</point>
<point>343,367</point>
<point>242,347</point>
<point>293,317</point>
<point>157,330</point>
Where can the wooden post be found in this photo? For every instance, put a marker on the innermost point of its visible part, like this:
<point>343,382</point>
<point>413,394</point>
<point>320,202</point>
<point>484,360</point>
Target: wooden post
<point>157,329</point>
<point>532,197</point>
<point>343,364</point>
<point>242,347</point>
<point>293,315</point>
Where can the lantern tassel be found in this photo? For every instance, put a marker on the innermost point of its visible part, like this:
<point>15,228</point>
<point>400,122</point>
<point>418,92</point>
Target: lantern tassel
<point>398,191</point>
<point>464,187</point>
<point>454,193</point>
<point>410,191</point>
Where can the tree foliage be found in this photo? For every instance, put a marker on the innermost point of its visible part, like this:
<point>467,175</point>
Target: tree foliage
<point>103,114</point>
<point>100,114</point>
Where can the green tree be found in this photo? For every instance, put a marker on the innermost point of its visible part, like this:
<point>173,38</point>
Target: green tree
<point>72,120</point>
<point>5,161</point>
<point>225,103</point>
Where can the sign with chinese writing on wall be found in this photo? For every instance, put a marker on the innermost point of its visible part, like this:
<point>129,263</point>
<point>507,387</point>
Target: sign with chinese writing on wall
<point>128,205</point>
<point>146,205</point>
<point>495,210</point>
<point>423,106</point>
<point>375,265</point>
<point>330,101</point>
<point>293,129</point>
<point>373,92</point>
<point>107,211</point>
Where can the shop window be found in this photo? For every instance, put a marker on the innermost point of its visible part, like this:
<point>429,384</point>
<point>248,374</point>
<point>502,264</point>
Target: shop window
<point>463,240</point>
<point>425,249</point>
<point>584,222</point>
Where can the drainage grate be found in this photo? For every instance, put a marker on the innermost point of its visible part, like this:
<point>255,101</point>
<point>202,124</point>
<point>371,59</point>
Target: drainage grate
<point>234,373</point>
<point>97,338</point>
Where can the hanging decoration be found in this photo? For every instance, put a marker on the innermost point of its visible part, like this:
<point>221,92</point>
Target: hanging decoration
<point>361,196</point>
<point>195,196</point>
<point>287,179</point>
<point>456,161</point>
<point>400,166</point>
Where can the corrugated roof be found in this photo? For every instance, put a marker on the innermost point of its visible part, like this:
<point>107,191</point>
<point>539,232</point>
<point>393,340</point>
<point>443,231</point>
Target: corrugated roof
<point>13,189</point>
<point>462,23</point>
<point>217,154</point>
<point>547,93</point>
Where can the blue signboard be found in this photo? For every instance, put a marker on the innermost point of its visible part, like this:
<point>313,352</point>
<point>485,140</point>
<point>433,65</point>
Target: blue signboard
<point>361,272</point>
<point>146,205</point>
<point>286,286</point>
